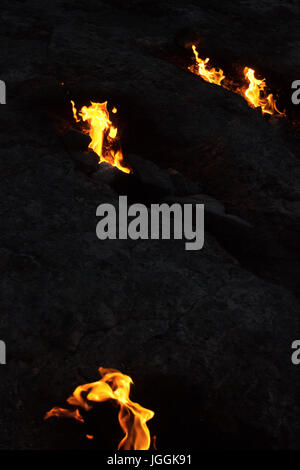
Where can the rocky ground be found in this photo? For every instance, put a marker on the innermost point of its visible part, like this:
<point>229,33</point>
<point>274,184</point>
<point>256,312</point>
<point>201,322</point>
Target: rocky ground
<point>205,335</point>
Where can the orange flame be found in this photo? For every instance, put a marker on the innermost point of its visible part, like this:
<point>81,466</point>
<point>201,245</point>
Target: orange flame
<point>209,75</point>
<point>256,94</point>
<point>113,386</point>
<point>102,133</point>
<point>67,414</point>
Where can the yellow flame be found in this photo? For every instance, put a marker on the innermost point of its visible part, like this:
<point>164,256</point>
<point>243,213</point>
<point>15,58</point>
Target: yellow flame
<point>256,94</point>
<point>74,111</point>
<point>102,132</point>
<point>209,75</point>
<point>115,386</point>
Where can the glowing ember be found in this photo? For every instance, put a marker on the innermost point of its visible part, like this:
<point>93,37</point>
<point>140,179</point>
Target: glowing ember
<point>113,386</point>
<point>256,94</point>
<point>209,75</point>
<point>102,133</point>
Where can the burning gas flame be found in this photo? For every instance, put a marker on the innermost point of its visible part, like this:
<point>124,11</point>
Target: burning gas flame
<point>102,133</point>
<point>209,75</point>
<point>113,386</point>
<point>256,94</point>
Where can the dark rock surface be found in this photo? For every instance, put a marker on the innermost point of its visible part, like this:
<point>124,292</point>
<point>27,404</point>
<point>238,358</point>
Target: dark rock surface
<point>212,328</point>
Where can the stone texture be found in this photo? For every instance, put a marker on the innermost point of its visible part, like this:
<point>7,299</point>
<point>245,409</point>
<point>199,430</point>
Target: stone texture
<point>211,329</point>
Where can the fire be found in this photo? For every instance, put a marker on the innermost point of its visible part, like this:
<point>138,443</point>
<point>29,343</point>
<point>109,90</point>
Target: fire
<point>113,386</point>
<point>256,94</point>
<point>209,75</point>
<point>102,133</point>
